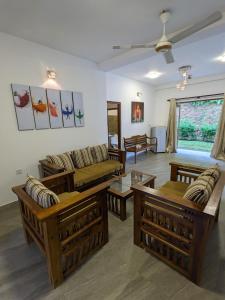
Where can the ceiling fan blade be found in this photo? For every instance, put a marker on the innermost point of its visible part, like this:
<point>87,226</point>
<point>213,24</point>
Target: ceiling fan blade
<point>197,27</point>
<point>138,46</point>
<point>169,57</point>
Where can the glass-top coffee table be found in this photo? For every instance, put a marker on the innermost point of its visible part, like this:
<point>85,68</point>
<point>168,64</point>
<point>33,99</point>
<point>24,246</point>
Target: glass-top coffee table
<point>119,190</point>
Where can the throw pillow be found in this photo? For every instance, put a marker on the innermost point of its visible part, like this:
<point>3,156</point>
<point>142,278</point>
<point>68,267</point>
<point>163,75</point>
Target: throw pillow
<point>62,160</point>
<point>82,158</point>
<point>200,190</point>
<point>39,193</point>
<point>100,153</point>
<point>213,171</point>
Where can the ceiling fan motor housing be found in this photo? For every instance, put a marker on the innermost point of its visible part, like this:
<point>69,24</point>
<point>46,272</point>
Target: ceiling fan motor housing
<point>163,46</point>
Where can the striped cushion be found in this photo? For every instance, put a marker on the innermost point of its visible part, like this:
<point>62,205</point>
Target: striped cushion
<point>200,190</point>
<point>62,160</point>
<point>100,153</point>
<point>214,172</point>
<point>82,158</point>
<point>39,193</point>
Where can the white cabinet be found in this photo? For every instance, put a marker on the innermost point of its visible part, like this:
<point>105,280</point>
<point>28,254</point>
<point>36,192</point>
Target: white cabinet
<point>160,133</point>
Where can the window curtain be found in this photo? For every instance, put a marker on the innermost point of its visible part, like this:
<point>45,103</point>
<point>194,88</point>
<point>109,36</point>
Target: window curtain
<point>171,138</point>
<point>218,149</point>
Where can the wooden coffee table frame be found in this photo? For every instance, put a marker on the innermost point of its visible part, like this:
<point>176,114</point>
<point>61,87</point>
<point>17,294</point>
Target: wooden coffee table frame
<point>116,200</point>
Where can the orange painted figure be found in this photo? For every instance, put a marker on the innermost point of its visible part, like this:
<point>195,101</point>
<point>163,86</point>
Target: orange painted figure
<point>40,106</point>
<point>53,109</point>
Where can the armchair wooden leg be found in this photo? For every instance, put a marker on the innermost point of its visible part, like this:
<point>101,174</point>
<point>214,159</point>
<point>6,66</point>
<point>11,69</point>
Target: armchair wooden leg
<point>53,252</point>
<point>135,157</point>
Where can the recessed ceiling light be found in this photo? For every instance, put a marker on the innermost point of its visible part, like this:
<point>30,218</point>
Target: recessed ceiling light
<point>221,57</point>
<point>153,74</point>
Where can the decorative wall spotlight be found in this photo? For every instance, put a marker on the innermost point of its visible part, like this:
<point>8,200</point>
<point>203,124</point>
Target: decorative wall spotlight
<point>139,94</point>
<point>51,74</point>
<point>184,72</point>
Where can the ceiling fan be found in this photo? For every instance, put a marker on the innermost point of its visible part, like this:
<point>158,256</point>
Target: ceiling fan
<point>165,45</point>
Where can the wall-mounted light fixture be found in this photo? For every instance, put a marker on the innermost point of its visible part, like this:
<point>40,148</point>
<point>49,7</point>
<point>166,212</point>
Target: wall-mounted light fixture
<point>139,94</point>
<point>51,74</point>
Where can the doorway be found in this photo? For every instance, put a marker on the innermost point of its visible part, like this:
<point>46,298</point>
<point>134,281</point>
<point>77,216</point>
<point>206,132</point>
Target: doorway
<point>114,124</point>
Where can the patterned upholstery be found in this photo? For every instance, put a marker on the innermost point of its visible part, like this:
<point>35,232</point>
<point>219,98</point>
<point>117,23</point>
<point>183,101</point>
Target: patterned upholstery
<point>200,190</point>
<point>62,160</point>
<point>82,158</point>
<point>39,193</point>
<point>214,172</point>
<point>100,153</point>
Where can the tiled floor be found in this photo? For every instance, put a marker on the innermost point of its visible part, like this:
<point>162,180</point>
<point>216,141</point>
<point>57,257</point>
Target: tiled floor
<point>119,270</point>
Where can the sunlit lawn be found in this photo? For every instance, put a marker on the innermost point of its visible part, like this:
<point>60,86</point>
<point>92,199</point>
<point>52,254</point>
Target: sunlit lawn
<point>195,145</point>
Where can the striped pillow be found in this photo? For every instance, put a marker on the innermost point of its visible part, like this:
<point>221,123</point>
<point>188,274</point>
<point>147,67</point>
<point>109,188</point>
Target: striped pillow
<point>200,190</point>
<point>100,153</point>
<point>82,158</point>
<point>39,193</point>
<point>213,172</point>
<point>62,160</point>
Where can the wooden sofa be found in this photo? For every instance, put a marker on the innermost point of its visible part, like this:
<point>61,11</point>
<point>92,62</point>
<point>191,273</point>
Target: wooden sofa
<point>139,143</point>
<point>91,175</point>
<point>68,232</point>
<point>173,228</point>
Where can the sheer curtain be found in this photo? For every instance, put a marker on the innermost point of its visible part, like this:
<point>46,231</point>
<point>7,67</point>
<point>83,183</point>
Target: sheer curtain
<point>171,139</point>
<point>218,150</point>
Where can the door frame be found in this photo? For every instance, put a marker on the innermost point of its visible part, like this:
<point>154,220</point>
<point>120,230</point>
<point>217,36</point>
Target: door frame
<point>118,103</point>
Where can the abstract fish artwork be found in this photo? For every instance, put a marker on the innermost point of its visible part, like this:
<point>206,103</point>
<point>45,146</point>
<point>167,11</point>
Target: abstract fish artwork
<point>53,109</point>
<point>67,112</point>
<point>23,107</point>
<point>78,109</point>
<point>21,100</point>
<point>39,106</point>
<point>67,109</point>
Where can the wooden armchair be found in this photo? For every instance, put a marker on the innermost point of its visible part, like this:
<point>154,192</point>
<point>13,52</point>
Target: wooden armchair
<point>172,228</point>
<point>68,232</point>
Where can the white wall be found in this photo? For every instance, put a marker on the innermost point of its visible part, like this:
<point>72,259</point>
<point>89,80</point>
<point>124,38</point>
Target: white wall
<point>209,86</point>
<point>24,62</point>
<point>125,91</point>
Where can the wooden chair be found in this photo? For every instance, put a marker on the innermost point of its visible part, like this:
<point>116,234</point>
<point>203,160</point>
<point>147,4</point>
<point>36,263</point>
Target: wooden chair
<point>139,143</point>
<point>172,228</point>
<point>68,232</point>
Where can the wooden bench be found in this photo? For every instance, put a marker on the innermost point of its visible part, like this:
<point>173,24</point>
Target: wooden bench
<point>138,143</point>
<point>172,228</point>
<point>68,232</point>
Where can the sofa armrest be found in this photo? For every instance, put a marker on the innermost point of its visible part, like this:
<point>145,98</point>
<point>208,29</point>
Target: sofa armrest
<point>48,168</point>
<point>76,201</point>
<point>168,198</point>
<point>185,170</point>
<point>118,154</point>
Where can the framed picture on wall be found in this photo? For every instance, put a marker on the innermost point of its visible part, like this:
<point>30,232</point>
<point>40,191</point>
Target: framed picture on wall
<point>67,109</point>
<point>54,108</point>
<point>40,107</point>
<point>137,112</point>
<point>23,107</point>
<point>78,109</point>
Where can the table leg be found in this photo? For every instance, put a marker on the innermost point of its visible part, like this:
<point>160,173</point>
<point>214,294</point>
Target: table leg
<point>123,210</point>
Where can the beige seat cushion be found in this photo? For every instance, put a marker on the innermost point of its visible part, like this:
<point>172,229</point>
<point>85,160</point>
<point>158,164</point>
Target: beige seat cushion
<point>66,195</point>
<point>174,187</point>
<point>96,171</point>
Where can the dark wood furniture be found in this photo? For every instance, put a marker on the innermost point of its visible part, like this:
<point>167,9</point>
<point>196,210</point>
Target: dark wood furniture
<point>48,169</point>
<point>173,228</point>
<point>138,143</point>
<point>120,190</point>
<point>68,232</point>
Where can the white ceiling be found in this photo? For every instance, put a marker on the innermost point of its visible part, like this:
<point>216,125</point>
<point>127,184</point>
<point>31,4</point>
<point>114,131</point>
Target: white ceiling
<point>199,54</point>
<point>89,28</point>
